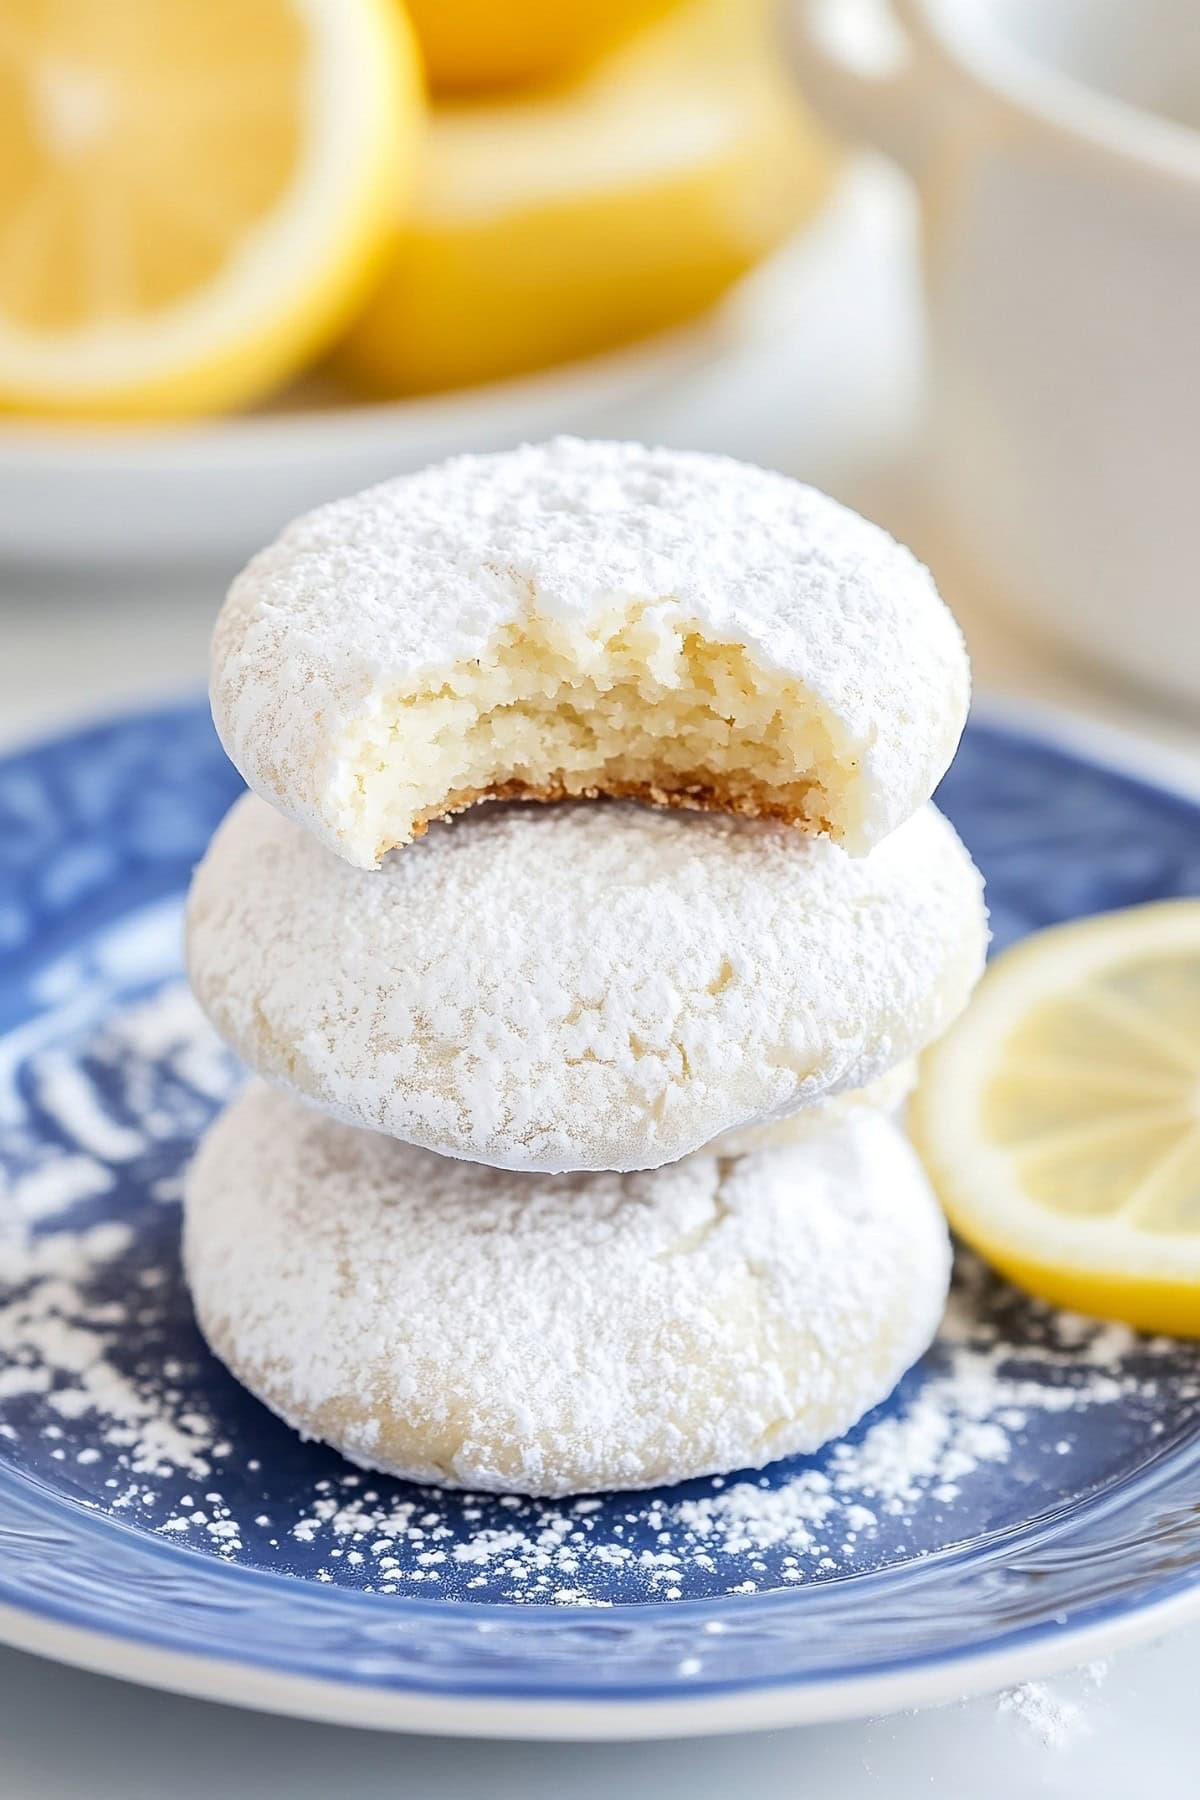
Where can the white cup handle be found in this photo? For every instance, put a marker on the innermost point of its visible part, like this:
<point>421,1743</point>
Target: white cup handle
<point>883,95</point>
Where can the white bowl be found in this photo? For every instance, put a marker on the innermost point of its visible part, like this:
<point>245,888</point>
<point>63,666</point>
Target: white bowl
<point>810,364</point>
<point>1058,166</point>
<point>215,491</point>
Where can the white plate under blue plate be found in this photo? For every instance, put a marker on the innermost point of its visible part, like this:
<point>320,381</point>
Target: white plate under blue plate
<point>1027,1498</point>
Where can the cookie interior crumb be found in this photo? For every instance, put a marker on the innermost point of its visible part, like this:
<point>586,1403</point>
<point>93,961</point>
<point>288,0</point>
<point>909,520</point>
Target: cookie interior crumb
<point>639,704</point>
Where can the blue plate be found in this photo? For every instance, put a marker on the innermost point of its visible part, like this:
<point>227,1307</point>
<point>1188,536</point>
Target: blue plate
<point>1027,1497</point>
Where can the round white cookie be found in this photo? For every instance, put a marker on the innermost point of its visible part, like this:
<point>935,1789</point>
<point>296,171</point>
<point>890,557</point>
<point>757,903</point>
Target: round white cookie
<point>560,1334</point>
<point>889,1095</point>
<point>590,618</point>
<point>591,986</point>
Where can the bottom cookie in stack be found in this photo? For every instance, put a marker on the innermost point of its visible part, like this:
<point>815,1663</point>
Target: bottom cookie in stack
<point>560,1334</point>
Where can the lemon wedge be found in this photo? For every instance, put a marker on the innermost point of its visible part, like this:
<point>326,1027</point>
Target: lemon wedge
<point>473,45</point>
<point>193,198</point>
<point>552,227</point>
<point>1060,1117</point>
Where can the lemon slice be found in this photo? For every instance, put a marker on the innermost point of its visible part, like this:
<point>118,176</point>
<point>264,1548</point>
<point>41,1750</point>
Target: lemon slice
<point>1060,1117</point>
<point>193,198</point>
<point>473,45</point>
<point>558,225</point>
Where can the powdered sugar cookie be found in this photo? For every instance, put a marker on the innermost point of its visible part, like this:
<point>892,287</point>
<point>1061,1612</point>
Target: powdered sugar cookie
<point>587,618</point>
<point>585,986</point>
<point>888,1096</point>
<point>559,1334</point>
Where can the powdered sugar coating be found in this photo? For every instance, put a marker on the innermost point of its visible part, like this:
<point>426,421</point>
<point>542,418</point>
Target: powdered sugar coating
<point>559,1335</point>
<point>889,1095</point>
<point>598,986</point>
<point>410,580</point>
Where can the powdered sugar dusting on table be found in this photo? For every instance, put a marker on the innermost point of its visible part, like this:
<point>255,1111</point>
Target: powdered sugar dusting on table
<point>102,1374</point>
<point>1050,1718</point>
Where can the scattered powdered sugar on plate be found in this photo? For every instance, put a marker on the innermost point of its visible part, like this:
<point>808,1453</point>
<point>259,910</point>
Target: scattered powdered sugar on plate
<point>56,1333</point>
<point>108,1394</point>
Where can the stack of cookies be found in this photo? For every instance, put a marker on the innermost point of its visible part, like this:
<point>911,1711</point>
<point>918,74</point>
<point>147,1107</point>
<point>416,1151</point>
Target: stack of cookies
<point>575,1163</point>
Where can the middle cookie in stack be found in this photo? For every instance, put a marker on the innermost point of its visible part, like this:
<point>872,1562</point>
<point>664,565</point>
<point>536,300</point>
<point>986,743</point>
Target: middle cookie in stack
<point>589,987</point>
<point>592,986</point>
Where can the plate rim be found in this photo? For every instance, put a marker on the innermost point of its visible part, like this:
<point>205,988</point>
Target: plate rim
<point>711,1705</point>
<point>768,1707</point>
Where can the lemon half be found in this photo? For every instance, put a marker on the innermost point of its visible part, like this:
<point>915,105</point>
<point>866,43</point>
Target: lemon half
<point>471,46</point>
<point>193,197</point>
<point>553,227</point>
<point>1060,1117</point>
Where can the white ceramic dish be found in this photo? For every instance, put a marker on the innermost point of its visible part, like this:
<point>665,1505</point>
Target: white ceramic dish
<point>1056,149</point>
<point>213,492</point>
<point>126,497</point>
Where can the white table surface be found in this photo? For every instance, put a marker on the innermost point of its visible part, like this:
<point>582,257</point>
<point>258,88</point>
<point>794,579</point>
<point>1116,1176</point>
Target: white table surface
<point>832,400</point>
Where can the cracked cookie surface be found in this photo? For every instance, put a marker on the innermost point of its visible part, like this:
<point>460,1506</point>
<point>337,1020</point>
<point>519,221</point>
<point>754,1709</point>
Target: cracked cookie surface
<point>551,1335</point>
<point>588,986</point>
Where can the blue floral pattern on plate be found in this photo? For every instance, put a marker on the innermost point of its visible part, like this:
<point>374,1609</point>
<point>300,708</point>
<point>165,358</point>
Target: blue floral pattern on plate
<point>168,1508</point>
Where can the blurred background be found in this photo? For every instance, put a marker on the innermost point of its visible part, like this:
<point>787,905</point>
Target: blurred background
<point>937,256</point>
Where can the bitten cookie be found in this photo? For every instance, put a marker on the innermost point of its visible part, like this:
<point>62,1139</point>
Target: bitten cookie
<point>560,1334</point>
<point>591,986</point>
<point>581,618</point>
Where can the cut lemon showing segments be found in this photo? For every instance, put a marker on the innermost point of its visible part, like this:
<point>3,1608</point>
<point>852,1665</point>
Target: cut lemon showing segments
<point>564,223</point>
<point>1059,1119</point>
<point>193,197</point>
